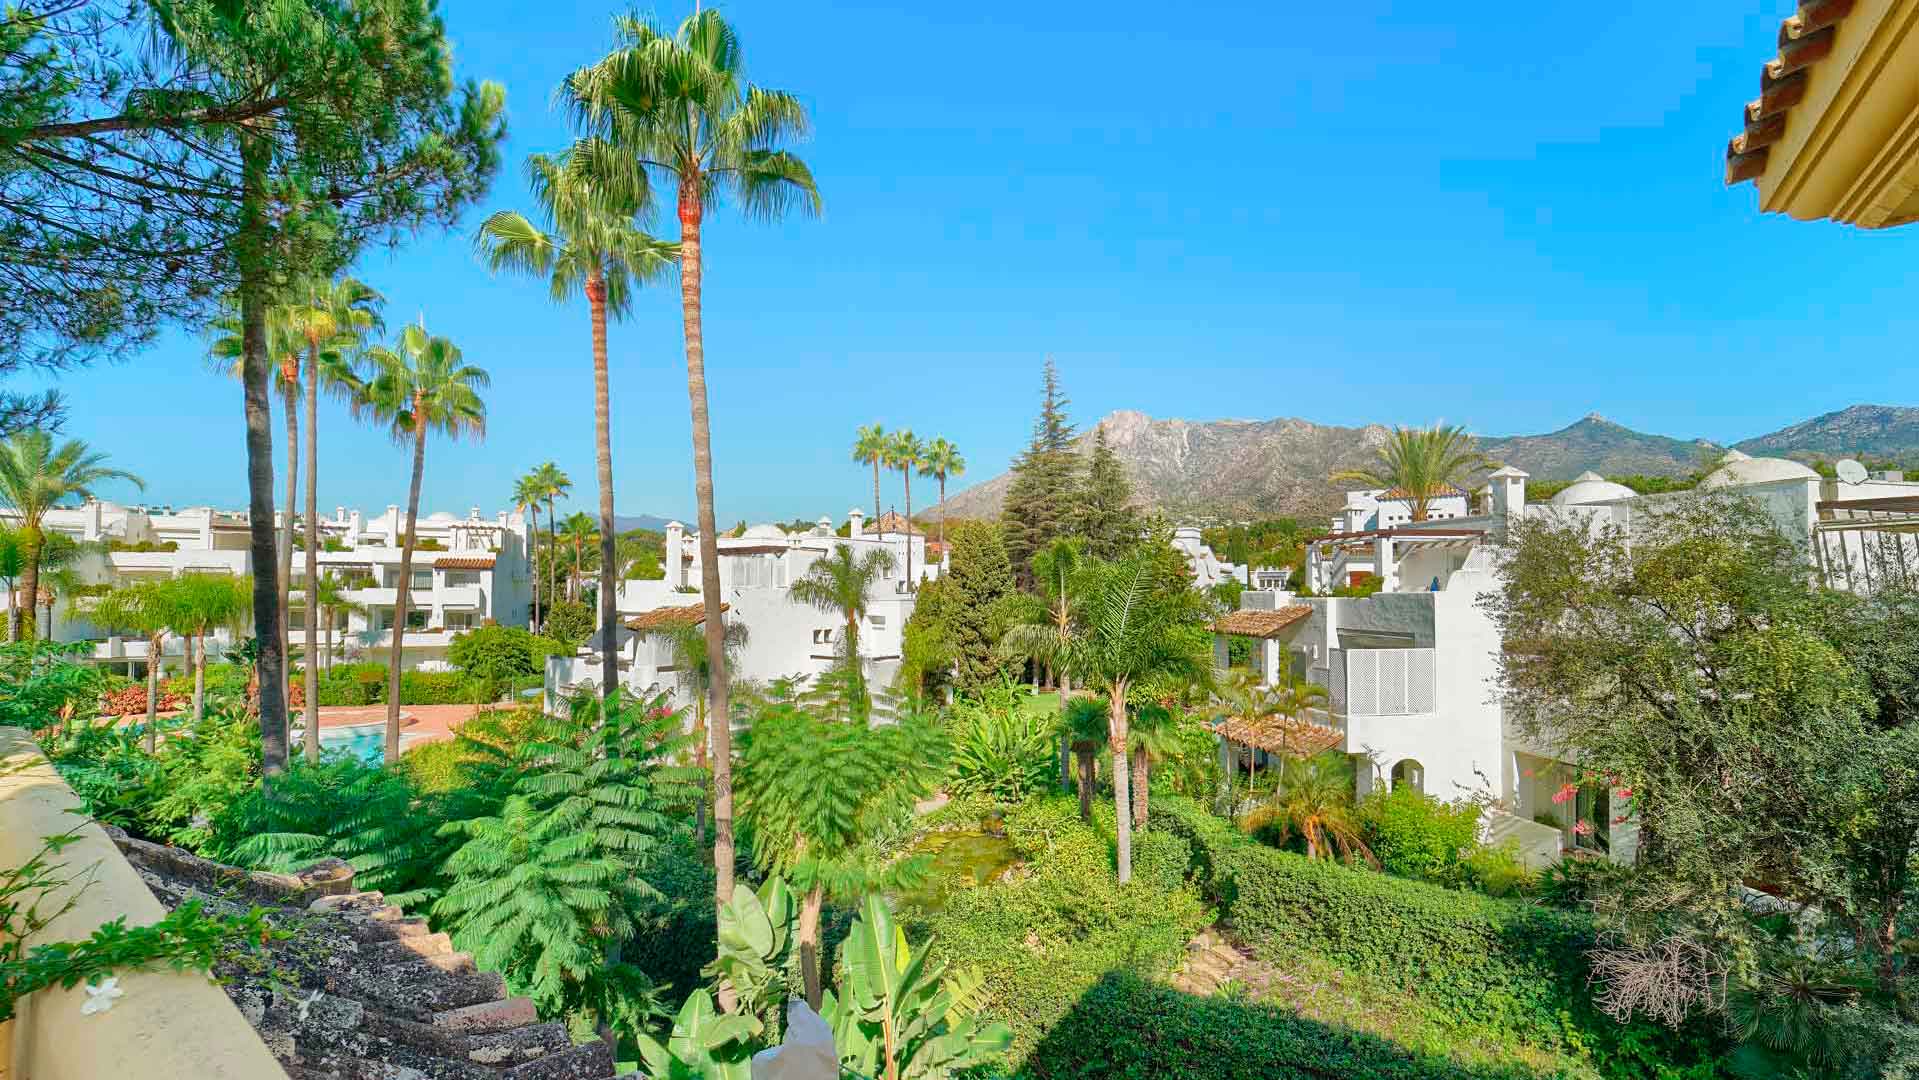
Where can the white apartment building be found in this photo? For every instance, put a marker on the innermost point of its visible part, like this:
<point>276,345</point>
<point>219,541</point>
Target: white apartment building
<point>1207,568</point>
<point>466,570</point>
<point>1411,672</point>
<point>757,570</point>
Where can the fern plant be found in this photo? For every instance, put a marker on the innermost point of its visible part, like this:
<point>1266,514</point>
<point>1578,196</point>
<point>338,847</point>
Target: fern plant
<point>545,889</point>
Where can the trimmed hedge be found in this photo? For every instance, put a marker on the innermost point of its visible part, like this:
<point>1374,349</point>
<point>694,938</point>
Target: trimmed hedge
<point>365,684</point>
<point>1515,966</point>
<point>1125,1028</point>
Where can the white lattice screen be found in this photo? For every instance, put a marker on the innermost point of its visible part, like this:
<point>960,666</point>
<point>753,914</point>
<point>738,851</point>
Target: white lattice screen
<point>1384,682</point>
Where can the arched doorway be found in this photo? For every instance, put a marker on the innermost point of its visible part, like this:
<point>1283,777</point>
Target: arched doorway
<point>1409,773</point>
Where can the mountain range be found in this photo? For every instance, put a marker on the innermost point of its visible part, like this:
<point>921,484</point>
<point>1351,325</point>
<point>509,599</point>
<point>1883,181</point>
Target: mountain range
<point>1222,469</point>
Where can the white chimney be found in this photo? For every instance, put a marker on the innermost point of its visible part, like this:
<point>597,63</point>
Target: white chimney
<point>675,563</point>
<point>856,522</point>
<point>824,527</point>
<point>1509,493</point>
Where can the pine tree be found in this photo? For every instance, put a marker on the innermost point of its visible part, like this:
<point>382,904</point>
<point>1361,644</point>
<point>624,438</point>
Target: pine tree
<point>1105,515</point>
<point>978,580</point>
<point>1039,504</point>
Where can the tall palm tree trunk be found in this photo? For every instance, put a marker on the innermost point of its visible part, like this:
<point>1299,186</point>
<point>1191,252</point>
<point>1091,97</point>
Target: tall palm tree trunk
<point>1086,786</point>
<point>720,724</point>
<point>26,623</point>
<point>533,561</point>
<point>291,400</point>
<point>876,494</point>
<point>1065,740</point>
<point>603,448</point>
<point>943,555</point>
<point>200,674</point>
<point>259,449</point>
<point>908,474</point>
<point>1118,730</point>
<point>154,644</point>
<point>402,594</point>
<point>553,557</point>
<point>311,681</point>
<point>1142,776</point>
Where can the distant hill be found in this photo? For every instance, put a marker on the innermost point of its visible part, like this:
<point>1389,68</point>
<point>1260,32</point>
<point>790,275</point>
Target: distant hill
<point>1222,469</point>
<point>649,522</point>
<point>1888,431</point>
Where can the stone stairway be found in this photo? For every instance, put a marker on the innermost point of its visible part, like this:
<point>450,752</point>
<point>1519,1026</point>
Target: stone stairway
<point>1213,962</point>
<point>364,991</point>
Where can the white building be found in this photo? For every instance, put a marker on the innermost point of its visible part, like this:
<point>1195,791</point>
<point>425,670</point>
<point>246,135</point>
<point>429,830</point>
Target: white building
<point>1411,672</point>
<point>1207,568</point>
<point>757,570</point>
<point>466,570</point>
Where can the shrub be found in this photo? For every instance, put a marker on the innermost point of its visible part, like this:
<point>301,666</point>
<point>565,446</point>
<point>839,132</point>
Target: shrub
<point>1125,1028</point>
<point>1498,871</point>
<point>999,748</point>
<point>1162,859</point>
<point>1043,936</point>
<point>1415,835</point>
<point>570,623</point>
<point>438,688</point>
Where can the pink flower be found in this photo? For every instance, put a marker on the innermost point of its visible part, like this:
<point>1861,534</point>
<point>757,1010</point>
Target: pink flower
<point>1583,828</point>
<point>1624,793</point>
<point>1565,793</point>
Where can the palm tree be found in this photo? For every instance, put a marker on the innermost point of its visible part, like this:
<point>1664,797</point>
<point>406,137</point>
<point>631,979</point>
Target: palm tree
<point>678,106</point>
<point>556,485</point>
<point>590,246</point>
<point>1315,803</point>
<point>1082,729</point>
<point>1239,697</point>
<point>1421,464</point>
<point>145,608</point>
<point>871,447</point>
<point>942,460</point>
<point>59,576</point>
<point>685,642</point>
<point>13,563</point>
<point>36,476</point>
<point>907,453</point>
<point>1138,619</point>
<point>1040,627</point>
<point>334,322</point>
<point>579,528</point>
<point>422,386</point>
<point>838,584</point>
<point>527,494</point>
<point>1154,735</point>
<point>327,598</point>
<point>203,603</point>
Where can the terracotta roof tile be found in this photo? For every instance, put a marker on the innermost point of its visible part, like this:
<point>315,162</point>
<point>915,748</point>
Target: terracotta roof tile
<point>659,618</point>
<point>463,562</point>
<point>1262,624</point>
<point>1805,38</point>
<point>1291,738</point>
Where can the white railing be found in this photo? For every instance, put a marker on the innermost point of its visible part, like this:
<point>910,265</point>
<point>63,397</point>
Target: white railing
<point>1383,682</point>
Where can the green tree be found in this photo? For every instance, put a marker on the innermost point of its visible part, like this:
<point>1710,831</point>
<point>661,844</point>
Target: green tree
<point>35,476</point>
<point>570,623</point>
<point>906,452</point>
<point>328,599</point>
<point>203,603</point>
<point>943,460</point>
<point>1154,735</point>
<point>581,534</point>
<point>1138,620</point>
<point>335,319</point>
<point>553,481</point>
<point>974,591</point>
<point>589,246</point>
<point>1040,627</point>
<point>424,385</point>
<point>1082,729</point>
<point>1315,803</point>
<point>546,890</point>
<point>789,756</point>
<point>527,494</point>
<point>1421,464</point>
<point>1105,515</point>
<point>872,446</point>
<point>1039,503</point>
<point>677,106</point>
<point>497,655</point>
<point>147,609</point>
<point>840,584</point>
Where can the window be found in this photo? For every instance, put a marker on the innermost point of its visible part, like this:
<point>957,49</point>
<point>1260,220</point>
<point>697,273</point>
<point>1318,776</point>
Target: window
<point>416,619</point>
<point>879,621</point>
<point>462,577</point>
<point>422,580</point>
<point>459,620</point>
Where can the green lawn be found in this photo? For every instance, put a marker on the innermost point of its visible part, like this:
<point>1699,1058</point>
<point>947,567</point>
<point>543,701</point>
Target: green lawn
<point>1044,704</point>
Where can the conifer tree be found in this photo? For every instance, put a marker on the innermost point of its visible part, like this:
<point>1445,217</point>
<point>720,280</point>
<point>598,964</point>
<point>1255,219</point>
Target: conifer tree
<point>975,586</point>
<point>1039,504</point>
<point>1105,515</point>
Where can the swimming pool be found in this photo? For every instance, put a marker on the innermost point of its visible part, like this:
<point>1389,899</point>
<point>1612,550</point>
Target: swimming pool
<point>364,741</point>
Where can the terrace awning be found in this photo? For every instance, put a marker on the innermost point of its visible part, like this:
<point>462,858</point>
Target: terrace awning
<point>1283,736</point>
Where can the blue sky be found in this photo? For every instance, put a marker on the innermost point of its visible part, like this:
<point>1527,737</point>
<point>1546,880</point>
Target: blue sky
<point>1369,211</point>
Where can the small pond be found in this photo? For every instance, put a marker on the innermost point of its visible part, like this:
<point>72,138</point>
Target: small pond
<point>961,857</point>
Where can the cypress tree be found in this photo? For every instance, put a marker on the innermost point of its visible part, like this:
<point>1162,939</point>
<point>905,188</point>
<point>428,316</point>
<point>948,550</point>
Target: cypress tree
<point>979,578</point>
<point>1039,504</point>
<point>1105,515</point>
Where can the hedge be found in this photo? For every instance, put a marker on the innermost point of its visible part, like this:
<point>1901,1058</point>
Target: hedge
<point>1125,1028</point>
<point>365,684</point>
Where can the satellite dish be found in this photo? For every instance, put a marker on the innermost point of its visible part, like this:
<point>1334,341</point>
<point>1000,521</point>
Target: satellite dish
<point>1852,472</point>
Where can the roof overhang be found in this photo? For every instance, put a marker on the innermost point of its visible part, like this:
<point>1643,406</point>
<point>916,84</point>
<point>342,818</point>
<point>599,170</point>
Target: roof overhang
<point>1834,132</point>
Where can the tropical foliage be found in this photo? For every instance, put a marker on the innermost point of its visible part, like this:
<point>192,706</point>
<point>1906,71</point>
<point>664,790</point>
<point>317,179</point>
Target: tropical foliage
<point>1419,465</point>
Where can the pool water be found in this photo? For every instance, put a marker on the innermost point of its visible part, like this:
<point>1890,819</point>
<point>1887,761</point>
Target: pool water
<point>960,857</point>
<point>364,741</point>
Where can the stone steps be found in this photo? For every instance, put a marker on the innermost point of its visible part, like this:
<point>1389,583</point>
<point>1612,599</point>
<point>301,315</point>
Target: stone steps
<point>1212,962</point>
<point>587,1061</point>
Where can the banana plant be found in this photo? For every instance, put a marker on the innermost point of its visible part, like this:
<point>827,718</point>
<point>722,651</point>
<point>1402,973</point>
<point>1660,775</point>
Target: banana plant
<point>756,955</point>
<point>705,1044</point>
<point>898,1014</point>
